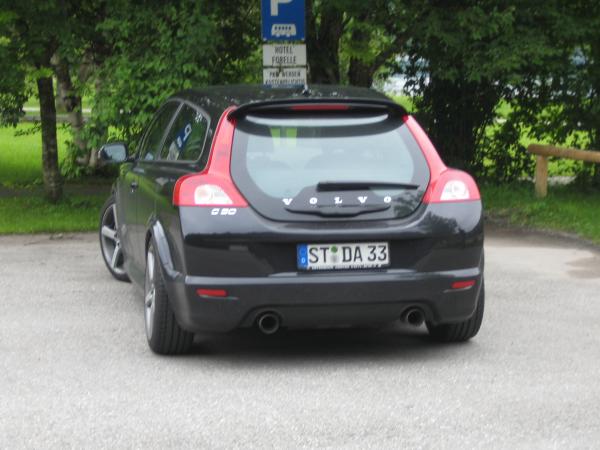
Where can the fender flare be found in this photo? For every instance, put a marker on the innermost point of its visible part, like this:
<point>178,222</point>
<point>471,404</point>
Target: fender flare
<point>161,244</point>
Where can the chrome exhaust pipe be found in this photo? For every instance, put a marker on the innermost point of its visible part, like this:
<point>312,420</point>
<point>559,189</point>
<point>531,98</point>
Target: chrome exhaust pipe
<point>268,323</point>
<point>414,317</point>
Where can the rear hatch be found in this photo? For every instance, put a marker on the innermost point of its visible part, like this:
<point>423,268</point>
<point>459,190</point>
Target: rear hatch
<point>320,164</point>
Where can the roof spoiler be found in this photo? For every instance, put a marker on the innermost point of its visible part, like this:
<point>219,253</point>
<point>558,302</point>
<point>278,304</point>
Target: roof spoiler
<point>332,104</point>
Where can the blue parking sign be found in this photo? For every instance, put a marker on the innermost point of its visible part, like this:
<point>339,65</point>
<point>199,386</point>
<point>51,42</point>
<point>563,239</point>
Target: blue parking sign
<point>283,20</point>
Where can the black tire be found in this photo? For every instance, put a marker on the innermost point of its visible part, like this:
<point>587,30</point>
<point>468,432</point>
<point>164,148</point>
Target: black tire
<point>117,270</point>
<point>460,331</point>
<point>164,334</point>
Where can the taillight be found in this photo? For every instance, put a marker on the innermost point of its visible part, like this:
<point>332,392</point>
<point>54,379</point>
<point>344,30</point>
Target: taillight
<point>213,186</point>
<point>463,284</point>
<point>451,186</point>
<point>211,194</point>
<point>211,292</point>
<point>445,185</point>
<point>205,189</point>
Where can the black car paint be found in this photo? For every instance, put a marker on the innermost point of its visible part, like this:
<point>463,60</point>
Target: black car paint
<point>254,257</point>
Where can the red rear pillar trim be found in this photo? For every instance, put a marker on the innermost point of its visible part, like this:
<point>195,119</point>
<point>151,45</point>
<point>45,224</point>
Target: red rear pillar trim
<point>435,163</point>
<point>220,152</point>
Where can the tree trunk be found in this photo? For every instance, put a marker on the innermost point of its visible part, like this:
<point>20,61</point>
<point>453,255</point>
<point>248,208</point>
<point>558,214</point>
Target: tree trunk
<point>323,43</point>
<point>86,70</point>
<point>50,169</point>
<point>71,101</point>
<point>101,128</point>
<point>360,74</point>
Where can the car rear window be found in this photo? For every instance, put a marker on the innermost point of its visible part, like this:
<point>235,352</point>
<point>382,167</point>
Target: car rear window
<point>280,155</point>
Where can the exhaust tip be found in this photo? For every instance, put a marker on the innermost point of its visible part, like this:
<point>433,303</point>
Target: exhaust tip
<point>414,317</point>
<point>268,323</point>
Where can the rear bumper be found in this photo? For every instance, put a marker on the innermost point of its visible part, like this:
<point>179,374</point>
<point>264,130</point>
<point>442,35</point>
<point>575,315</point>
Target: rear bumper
<point>254,260</point>
<point>321,300</point>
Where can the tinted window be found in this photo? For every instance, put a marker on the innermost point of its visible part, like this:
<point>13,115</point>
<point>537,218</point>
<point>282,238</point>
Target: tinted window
<point>153,138</point>
<point>283,155</point>
<point>185,140</point>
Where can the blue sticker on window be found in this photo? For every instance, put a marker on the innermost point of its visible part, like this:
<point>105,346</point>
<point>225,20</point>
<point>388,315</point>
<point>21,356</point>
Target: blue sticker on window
<point>183,136</point>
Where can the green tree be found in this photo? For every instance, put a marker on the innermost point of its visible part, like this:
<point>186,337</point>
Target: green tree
<point>13,86</point>
<point>348,41</point>
<point>376,34</point>
<point>43,41</point>
<point>465,57</point>
<point>75,65</point>
<point>30,38</point>
<point>127,55</point>
<point>560,101</point>
<point>237,40</point>
<point>157,49</point>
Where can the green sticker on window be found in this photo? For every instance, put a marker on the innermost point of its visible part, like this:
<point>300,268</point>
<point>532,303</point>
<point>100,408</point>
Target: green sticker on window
<point>290,135</point>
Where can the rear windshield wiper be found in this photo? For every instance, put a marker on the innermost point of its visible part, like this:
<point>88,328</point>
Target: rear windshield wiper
<point>328,186</point>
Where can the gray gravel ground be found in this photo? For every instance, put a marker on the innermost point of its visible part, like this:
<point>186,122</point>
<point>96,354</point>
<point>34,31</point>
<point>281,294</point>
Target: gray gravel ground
<point>75,370</point>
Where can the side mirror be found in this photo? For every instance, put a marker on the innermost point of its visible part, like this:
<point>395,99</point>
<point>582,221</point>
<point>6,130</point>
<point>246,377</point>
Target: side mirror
<point>113,153</point>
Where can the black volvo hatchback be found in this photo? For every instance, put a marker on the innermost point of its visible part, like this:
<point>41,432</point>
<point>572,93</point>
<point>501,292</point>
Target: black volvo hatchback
<point>319,207</point>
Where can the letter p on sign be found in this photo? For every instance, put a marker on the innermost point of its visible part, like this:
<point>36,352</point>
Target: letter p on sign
<point>283,20</point>
<point>275,6</point>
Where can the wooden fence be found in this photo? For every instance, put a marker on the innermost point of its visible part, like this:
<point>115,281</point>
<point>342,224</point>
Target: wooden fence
<point>543,152</point>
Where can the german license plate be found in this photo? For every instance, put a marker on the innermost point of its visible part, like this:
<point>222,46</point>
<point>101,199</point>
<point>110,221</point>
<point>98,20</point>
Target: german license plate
<point>363,255</point>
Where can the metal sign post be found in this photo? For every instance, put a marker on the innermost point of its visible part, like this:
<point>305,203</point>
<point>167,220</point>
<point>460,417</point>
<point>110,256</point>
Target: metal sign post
<point>284,62</point>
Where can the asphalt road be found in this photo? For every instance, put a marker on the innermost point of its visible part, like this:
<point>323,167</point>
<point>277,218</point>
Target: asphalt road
<point>75,370</point>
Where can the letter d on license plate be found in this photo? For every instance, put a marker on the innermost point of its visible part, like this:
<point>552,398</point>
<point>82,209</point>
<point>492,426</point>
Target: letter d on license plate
<point>361,255</point>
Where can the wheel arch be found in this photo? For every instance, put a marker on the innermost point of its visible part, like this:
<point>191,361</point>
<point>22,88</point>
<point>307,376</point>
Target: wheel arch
<point>157,235</point>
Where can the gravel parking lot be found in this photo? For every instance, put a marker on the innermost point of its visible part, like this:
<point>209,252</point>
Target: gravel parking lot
<point>75,370</point>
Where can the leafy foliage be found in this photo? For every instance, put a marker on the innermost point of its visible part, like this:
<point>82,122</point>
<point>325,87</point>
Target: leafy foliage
<point>30,35</point>
<point>159,49</point>
<point>465,57</point>
<point>559,102</point>
<point>463,60</point>
<point>156,50</point>
<point>13,87</point>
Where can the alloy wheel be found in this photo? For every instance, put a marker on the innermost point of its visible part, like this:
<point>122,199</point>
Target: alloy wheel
<point>149,294</point>
<point>111,243</point>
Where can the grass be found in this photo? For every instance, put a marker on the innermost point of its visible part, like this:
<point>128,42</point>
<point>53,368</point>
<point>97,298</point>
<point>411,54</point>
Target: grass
<point>25,210</point>
<point>27,214</point>
<point>566,208</point>
<point>21,155</point>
